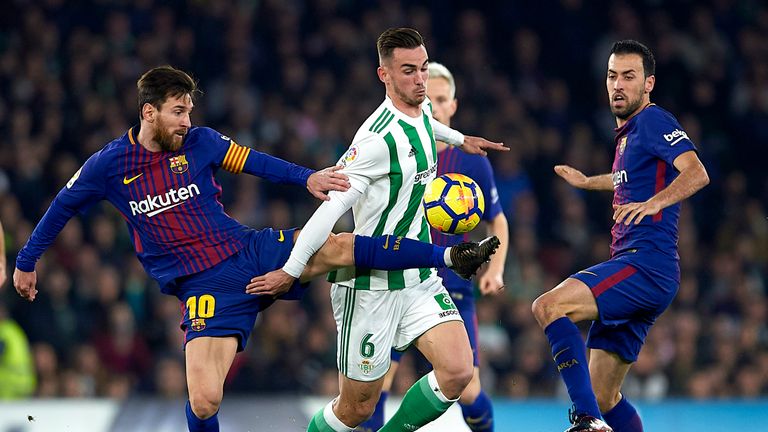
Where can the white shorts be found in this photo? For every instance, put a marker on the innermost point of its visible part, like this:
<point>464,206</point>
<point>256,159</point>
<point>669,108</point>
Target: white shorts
<point>370,323</point>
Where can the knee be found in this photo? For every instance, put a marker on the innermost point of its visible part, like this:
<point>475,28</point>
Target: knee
<point>204,404</point>
<point>545,309</point>
<point>454,378</point>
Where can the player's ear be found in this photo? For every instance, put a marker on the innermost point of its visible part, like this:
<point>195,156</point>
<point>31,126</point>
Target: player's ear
<point>148,112</point>
<point>649,83</point>
<point>453,106</point>
<point>382,73</point>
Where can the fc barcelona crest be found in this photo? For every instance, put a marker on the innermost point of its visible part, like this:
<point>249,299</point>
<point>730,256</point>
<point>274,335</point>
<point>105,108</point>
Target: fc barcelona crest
<point>179,164</point>
<point>198,324</point>
<point>622,145</point>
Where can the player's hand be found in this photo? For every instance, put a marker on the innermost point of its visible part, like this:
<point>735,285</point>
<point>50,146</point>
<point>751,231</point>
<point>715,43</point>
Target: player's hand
<point>477,145</point>
<point>491,283</point>
<point>573,176</point>
<point>25,282</point>
<point>634,212</point>
<point>273,283</point>
<point>325,180</point>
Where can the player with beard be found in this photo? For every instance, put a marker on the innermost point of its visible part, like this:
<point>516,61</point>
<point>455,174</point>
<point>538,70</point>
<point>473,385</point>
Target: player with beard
<point>655,167</point>
<point>160,176</point>
<point>392,158</point>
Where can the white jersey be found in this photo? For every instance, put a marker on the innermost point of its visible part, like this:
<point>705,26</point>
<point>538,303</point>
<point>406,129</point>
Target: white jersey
<point>391,160</point>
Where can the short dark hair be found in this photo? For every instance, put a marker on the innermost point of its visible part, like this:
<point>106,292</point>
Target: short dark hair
<point>630,46</point>
<point>401,37</point>
<point>159,83</point>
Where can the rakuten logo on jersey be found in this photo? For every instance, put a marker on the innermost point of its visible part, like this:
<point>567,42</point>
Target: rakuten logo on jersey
<point>675,136</point>
<point>160,203</point>
<point>618,178</point>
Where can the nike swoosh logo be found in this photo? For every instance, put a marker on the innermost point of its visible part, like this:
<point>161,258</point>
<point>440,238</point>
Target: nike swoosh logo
<point>560,352</point>
<point>281,237</point>
<point>127,180</point>
<point>386,242</point>
<point>587,272</point>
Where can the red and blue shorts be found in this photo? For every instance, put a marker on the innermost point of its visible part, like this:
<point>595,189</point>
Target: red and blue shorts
<point>631,289</point>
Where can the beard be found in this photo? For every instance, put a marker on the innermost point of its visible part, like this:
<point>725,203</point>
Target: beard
<point>168,141</point>
<point>629,108</point>
<point>409,99</point>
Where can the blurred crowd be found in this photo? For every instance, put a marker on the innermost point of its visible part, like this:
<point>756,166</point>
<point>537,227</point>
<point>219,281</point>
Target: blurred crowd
<point>296,79</point>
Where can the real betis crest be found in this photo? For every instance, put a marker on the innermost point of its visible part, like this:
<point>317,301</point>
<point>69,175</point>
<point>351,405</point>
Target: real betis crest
<point>366,367</point>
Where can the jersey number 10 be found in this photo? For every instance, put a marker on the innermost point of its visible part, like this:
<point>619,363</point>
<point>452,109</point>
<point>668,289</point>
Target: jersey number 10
<point>202,307</point>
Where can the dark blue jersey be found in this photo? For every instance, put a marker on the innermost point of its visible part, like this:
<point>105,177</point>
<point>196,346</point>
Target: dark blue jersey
<point>478,168</point>
<point>170,200</point>
<point>646,147</point>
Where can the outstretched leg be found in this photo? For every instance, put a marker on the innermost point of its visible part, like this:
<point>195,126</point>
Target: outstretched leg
<point>395,253</point>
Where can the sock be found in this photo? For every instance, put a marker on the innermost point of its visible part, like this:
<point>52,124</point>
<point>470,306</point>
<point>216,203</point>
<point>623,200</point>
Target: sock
<point>195,424</point>
<point>623,417</point>
<point>377,419</point>
<point>422,403</point>
<point>479,414</point>
<point>397,253</point>
<point>570,355</point>
<point>325,420</point>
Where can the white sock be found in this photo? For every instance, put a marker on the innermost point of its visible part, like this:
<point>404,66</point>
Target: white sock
<point>435,386</point>
<point>333,421</point>
<point>447,257</point>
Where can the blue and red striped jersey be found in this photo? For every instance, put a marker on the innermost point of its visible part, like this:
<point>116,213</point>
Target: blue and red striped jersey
<point>170,200</point>
<point>643,165</point>
<point>478,168</point>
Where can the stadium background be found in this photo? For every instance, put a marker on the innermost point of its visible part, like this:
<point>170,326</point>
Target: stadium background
<point>295,79</point>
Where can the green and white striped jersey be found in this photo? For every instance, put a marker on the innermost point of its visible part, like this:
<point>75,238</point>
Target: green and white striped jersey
<point>391,160</point>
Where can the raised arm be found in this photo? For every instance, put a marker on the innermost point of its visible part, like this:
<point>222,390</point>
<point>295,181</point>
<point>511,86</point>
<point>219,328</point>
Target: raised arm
<point>577,179</point>
<point>468,144</point>
<point>236,158</point>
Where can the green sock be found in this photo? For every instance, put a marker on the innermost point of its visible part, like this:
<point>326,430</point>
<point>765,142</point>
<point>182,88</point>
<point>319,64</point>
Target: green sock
<point>420,406</point>
<point>318,423</point>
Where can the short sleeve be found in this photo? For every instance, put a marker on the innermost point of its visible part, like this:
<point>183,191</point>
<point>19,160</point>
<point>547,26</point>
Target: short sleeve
<point>365,161</point>
<point>666,138</point>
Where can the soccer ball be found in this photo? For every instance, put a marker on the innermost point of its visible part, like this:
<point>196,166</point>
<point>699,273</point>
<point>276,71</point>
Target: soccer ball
<point>453,203</point>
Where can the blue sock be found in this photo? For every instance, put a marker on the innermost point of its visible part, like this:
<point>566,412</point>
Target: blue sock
<point>570,355</point>
<point>479,415</point>
<point>623,417</point>
<point>377,419</point>
<point>211,424</point>
<point>396,253</point>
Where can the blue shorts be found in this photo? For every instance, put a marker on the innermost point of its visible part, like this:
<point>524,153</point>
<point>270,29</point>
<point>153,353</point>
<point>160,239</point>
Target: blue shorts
<point>631,289</point>
<point>466,305</point>
<point>214,301</point>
